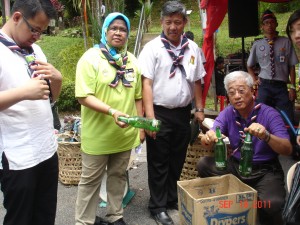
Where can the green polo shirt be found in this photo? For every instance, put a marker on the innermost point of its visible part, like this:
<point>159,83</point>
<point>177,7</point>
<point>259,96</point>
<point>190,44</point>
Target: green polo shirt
<point>99,133</point>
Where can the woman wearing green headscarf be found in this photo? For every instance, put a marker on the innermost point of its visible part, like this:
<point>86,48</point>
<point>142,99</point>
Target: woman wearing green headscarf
<point>108,85</point>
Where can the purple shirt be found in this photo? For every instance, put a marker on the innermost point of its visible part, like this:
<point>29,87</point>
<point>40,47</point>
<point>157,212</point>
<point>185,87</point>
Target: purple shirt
<point>266,116</point>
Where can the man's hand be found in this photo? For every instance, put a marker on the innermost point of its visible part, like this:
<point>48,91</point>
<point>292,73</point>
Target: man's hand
<point>36,89</point>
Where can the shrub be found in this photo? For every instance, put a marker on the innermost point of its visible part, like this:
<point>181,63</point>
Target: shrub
<point>68,61</point>
<point>67,100</point>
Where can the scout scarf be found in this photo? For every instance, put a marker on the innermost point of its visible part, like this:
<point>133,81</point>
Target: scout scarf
<point>272,56</point>
<point>176,59</point>
<point>120,68</point>
<point>27,53</point>
<point>241,128</point>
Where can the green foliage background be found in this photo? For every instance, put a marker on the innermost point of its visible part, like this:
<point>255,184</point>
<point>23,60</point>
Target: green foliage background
<point>64,51</point>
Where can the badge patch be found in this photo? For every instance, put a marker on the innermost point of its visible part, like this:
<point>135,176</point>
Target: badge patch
<point>262,48</point>
<point>192,60</point>
<point>129,74</point>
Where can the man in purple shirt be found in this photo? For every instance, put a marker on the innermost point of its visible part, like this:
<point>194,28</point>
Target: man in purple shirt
<point>269,138</point>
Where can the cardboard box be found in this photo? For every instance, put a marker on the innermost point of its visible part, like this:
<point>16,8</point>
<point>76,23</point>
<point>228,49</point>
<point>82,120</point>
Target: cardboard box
<point>220,200</point>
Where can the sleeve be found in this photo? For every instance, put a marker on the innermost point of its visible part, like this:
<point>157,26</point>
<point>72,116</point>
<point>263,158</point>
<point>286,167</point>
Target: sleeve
<point>200,66</point>
<point>202,56</point>
<point>222,121</point>
<point>147,61</point>
<point>138,90</point>
<point>252,56</point>
<point>293,59</point>
<point>276,124</point>
<point>85,82</point>
<point>39,53</point>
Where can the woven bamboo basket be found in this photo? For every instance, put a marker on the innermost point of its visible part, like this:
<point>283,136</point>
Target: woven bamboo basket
<point>69,158</point>
<point>194,152</point>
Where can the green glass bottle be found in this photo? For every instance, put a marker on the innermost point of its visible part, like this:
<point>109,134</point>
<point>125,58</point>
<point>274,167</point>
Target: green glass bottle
<point>245,166</point>
<point>142,122</point>
<point>220,151</point>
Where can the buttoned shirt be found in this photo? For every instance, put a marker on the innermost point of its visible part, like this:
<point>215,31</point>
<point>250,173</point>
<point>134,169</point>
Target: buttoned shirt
<point>155,63</point>
<point>284,56</point>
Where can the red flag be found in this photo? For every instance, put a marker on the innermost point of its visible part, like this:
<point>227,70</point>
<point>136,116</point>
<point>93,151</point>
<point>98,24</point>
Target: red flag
<point>216,11</point>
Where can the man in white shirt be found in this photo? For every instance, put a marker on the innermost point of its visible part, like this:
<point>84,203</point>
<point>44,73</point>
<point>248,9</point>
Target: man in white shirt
<point>29,163</point>
<point>172,72</point>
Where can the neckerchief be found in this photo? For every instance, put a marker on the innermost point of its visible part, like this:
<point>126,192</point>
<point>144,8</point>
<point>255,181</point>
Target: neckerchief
<point>241,128</point>
<point>27,53</point>
<point>120,69</point>
<point>272,55</point>
<point>176,59</point>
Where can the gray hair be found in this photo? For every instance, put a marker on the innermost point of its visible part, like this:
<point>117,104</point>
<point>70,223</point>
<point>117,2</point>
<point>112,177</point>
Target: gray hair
<point>173,7</point>
<point>238,75</point>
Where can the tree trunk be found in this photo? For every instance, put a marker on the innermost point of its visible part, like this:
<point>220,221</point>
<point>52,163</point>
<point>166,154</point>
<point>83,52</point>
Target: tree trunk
<point>83,30</point>
<point>7,7</point>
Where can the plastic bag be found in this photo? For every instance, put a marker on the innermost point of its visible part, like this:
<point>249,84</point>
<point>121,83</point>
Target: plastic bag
<point>291,212</point>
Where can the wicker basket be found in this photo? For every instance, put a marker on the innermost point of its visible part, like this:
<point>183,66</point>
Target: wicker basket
<point>69,157</point>
<point>194,152</point>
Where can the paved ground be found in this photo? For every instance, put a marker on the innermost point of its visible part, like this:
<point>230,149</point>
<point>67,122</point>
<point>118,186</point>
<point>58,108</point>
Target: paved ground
<point>136,212</point>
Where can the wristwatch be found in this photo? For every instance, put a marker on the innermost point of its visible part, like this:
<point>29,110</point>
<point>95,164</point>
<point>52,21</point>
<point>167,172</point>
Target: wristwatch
<point>199,110</point>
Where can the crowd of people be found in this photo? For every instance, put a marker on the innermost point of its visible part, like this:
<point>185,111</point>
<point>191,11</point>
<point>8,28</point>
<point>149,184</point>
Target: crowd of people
<point>163,83</point>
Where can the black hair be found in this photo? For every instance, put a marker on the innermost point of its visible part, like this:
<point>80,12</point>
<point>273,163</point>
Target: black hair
<point>219,60</point>
<point>295,16</point>
<point>189,35</point>
<point>30,8</point>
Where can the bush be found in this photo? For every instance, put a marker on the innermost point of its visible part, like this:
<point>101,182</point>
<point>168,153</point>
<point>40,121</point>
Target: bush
<point>67,100</point>
<point>63,53</point>
<point>68,61</point>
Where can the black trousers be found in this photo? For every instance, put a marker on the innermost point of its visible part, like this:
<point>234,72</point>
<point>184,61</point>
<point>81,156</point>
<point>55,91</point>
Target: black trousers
<point>166,156</point>
<point>30,195</point>
<point>267,179</point>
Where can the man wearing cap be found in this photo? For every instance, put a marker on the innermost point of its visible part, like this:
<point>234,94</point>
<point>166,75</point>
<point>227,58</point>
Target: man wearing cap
<point>108,85</point>
<point>277,59</point>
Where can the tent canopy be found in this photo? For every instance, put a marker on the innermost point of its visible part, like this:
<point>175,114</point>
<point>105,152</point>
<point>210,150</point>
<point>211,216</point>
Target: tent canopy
<point>215,11</point>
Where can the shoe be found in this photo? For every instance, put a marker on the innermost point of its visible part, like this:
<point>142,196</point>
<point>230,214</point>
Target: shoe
<point>163,218</point>
<point>118,222</point>
<point>100,221</point>
<point>173,206</point>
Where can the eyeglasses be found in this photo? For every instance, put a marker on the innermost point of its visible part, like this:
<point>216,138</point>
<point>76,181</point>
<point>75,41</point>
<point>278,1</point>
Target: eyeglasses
<point>240,91</point>
<point>32,29</point>
<point>120,29</point>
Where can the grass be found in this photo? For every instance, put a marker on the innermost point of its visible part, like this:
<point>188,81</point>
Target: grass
<point>53,45</point>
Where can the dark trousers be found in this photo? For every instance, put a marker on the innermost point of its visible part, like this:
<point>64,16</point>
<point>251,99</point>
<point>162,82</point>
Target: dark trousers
<point>266,178</point>
<point>276,95</point>
<point>30,195</point>
<point>166,156</point>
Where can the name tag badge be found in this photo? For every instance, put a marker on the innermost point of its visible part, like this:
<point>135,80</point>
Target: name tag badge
<point>129,75</point>
<point>282,59</point>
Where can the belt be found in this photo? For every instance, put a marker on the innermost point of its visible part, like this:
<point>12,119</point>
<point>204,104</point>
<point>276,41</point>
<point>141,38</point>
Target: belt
<point>188,107</point>
<point>262,165</point>
<point>266,81</point>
